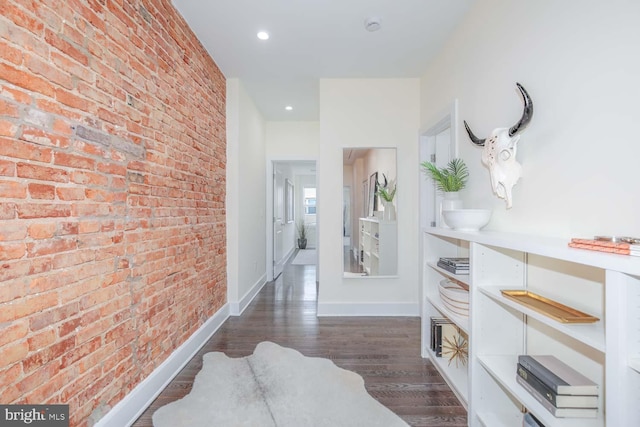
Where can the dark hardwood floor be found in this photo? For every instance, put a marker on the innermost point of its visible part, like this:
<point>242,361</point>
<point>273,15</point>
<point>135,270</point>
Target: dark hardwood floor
<point>385,351</point>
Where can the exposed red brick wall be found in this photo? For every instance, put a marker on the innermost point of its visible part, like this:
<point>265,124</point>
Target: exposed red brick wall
<point>112,189</point>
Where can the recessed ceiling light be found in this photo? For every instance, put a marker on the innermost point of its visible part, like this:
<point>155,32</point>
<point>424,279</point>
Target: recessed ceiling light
<point>263,35</point>
<point>288,108</point>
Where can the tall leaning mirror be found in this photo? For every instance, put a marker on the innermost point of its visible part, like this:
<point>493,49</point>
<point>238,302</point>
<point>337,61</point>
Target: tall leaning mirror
<point>369,225</point>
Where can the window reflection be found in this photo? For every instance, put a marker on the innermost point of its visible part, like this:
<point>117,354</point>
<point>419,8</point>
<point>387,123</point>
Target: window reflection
<point>310,201</point>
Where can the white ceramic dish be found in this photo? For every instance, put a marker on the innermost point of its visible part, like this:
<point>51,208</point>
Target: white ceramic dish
<point>467,219</point>
<point>453,291</point>
<point>454,297</point>
<point>456,310</point>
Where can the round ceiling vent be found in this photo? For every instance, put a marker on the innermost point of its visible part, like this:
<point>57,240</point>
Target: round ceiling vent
<point>372,24</point>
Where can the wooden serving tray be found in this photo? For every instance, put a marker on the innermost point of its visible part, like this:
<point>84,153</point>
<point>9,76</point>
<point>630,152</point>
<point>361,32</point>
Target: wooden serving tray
<point>550,308</point>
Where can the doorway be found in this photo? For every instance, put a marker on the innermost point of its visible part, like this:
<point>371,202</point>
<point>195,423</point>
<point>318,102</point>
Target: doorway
<point>288,204</point>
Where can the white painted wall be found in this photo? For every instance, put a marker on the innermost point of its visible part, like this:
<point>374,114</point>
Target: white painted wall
<point>292,140</point>
<point>578,61</point>
<point>368,113</point>
<point>246,233</point>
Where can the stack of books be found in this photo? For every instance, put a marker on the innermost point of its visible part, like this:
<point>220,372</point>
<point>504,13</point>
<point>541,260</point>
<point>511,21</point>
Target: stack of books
<point>561,390</point>
<point>454,265</point>
<point>621,248</point>
<point>441,328</point>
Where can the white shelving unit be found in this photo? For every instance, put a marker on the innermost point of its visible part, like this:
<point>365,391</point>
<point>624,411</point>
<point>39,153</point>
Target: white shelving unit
<point>608,351</point>
<point>457,376</point>
<point>379,247</point>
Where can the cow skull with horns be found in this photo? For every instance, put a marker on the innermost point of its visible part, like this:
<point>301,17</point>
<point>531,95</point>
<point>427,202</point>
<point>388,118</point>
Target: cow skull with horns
<point>499,153</point>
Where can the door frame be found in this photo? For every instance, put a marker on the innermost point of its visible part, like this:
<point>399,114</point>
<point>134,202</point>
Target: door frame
<point>445,119</point>
<point>269,208</point>
<point>279,184</point>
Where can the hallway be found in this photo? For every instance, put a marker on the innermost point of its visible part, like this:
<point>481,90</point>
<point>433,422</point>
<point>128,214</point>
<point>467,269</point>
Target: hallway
<point>383,350</point>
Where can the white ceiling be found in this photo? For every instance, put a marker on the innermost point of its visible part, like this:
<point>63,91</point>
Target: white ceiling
<point>313,39</point>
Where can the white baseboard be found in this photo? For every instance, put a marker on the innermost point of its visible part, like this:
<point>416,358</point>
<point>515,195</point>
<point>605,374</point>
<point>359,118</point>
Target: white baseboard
<point>369,309</point>
<point>289,255</point>
<point>127,411</point>
<point>237,307</point>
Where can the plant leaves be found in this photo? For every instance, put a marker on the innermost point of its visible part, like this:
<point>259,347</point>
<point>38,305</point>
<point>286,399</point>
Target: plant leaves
<point>451,178</point>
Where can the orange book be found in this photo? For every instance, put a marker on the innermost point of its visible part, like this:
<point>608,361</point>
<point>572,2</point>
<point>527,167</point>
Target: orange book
<point>600,246</point>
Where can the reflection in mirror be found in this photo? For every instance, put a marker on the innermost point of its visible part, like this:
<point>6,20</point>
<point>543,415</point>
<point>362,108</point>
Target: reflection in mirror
<point>369,227</point>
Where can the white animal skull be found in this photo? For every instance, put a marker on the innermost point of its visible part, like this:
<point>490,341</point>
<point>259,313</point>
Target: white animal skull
<point>499,153</point>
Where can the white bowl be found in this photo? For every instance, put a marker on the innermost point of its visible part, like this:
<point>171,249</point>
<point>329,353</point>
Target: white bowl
<point>466,219</point>
<point>454,297</point>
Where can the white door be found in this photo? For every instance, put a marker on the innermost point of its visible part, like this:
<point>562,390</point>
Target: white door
<point>278,221</point>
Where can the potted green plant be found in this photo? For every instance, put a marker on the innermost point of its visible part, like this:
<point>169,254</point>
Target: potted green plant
<point>449,180</point>
<point>452,178</point>
<point>302,234</point>
<point>387,192</point>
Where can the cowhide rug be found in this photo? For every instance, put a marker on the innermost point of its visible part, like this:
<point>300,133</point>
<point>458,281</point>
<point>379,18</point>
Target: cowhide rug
<point>275,386</point>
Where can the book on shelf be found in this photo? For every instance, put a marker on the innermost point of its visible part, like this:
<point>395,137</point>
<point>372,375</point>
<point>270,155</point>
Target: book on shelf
<point>557,412</point>
<point>447,265</point>
<point>529,420</point>
<point>455,262</point>
<point>434,321</point>
<point>599,248</point>
<point>557,400</point>
<point>621,248</point>
<point>441,328</point>
<point>453,269</point>
<point>557,375</point>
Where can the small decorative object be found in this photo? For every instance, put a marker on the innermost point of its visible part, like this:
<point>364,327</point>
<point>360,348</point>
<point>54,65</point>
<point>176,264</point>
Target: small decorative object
<point>548,307</point>
<point>467,219</point>
<point>302,234</point>
<point>387,191</point>
<point>499,153</point>
<point>618,239</point>
<point>457,349</point>
<point>450,181</point>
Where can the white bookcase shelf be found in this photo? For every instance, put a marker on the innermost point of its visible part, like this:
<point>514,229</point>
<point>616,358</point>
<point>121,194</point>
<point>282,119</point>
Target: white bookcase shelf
<point>608,351</point>
<point>591,334</point>
<point>463,278</point>
<point>457,376</point>
<point>501,369</point>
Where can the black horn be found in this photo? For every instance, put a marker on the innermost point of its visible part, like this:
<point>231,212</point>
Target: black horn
<point>526,114</point>
<point>474,138</point>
